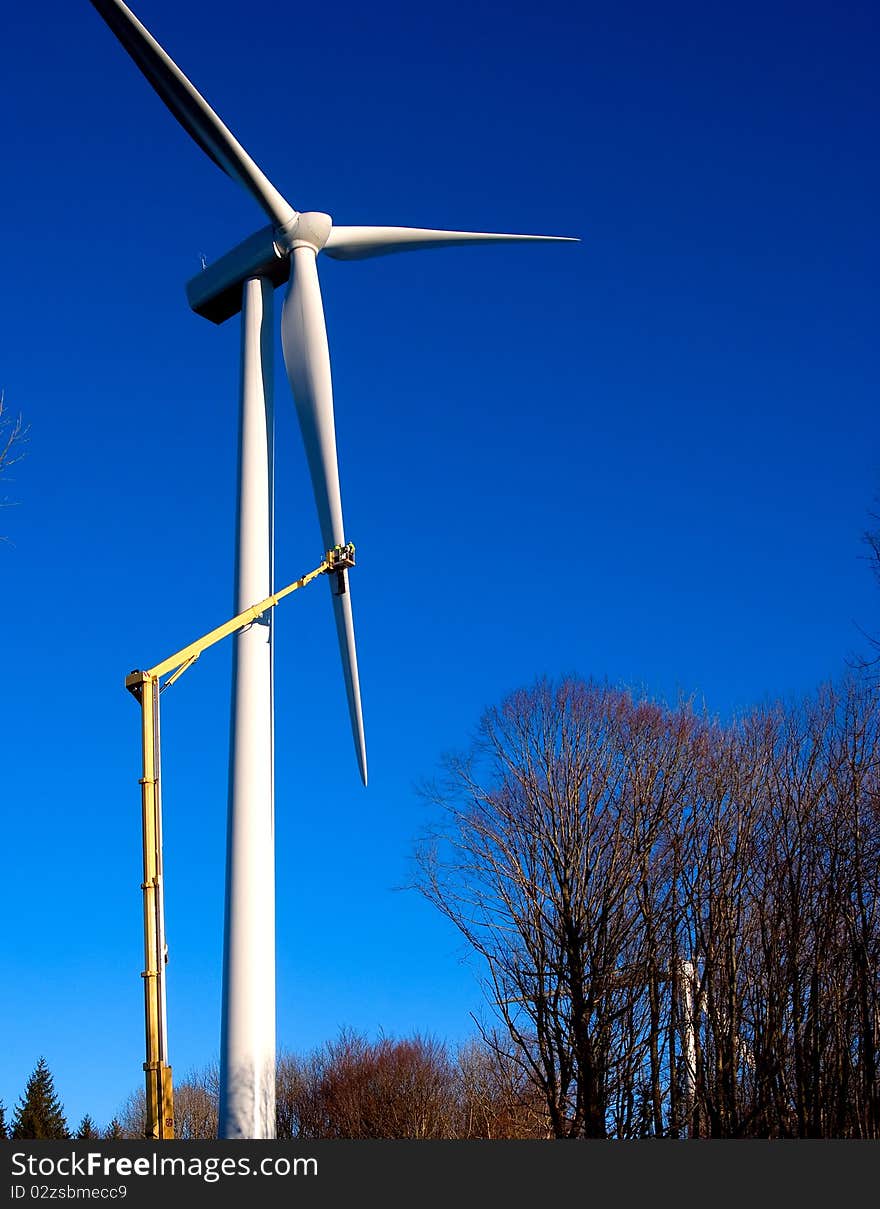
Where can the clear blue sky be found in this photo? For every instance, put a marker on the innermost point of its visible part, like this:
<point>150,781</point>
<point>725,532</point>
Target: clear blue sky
<point>649,457</point>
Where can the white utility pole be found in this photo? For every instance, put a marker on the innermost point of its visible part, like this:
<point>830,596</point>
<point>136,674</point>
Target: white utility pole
<point>690,1011</point>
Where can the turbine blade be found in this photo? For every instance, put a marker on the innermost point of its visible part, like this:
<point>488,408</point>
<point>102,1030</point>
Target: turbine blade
<point>356,243</point>
<point>191,109</point>
<point>307,360</point>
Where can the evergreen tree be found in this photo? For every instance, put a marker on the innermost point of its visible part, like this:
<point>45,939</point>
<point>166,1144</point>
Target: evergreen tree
<point>39,1113</point>
<point>4,1132</point>
<point>87,1129</point>
<point>114,1131</point>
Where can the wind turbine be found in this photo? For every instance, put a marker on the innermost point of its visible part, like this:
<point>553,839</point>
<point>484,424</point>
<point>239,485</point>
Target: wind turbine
<point>243,281</point>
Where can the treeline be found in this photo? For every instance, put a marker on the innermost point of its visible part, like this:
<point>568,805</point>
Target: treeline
<point>348,1088</point>
<point>355,1088</point>
<point>679,920</point>
<point>39,1114</point>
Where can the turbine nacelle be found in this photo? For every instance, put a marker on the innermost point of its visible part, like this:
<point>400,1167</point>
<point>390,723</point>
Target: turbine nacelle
<point>215,292</point>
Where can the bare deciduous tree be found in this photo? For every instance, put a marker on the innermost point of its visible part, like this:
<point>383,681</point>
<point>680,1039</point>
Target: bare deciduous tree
<point>495,1096</point>
<point>679,922</point>
<point>354,1088</point>
<point>196,1101</point>
<point>550,822</point>
<point>13,434</point>
<point>131,1120</point>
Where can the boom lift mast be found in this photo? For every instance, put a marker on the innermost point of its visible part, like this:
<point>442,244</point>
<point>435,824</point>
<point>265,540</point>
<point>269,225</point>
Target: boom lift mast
<point>146,687</point>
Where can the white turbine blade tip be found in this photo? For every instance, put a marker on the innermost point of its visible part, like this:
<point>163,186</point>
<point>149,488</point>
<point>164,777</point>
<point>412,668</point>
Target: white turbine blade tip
<point>348,654</point>
<point>357,243</point>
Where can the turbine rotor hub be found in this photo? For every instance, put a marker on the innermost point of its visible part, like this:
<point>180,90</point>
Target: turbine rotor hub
<point>309,230</point>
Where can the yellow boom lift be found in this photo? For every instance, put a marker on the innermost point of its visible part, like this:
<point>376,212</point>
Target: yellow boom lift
<point>146,687</point>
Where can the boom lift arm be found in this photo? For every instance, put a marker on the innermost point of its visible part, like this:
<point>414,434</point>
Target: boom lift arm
<point>146,687</point>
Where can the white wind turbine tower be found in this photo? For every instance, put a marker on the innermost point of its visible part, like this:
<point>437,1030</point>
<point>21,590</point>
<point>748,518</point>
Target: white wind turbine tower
<point>243,280</point>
